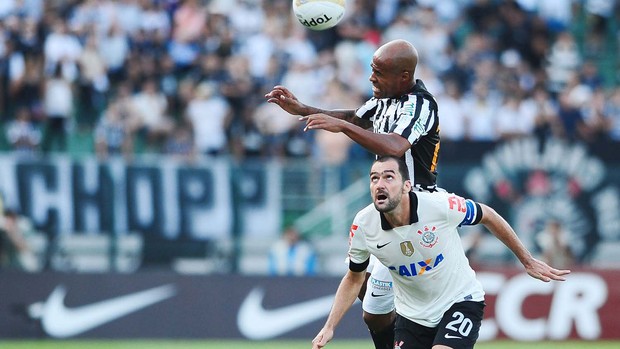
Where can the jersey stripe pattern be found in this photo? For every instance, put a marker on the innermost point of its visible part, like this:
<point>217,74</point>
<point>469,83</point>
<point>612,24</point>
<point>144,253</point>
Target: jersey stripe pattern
<point>414,116</point>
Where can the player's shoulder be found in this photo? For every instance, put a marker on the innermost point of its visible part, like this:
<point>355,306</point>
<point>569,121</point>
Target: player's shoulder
<point>439,205</point>
<point>369,106</point>
<point>415,101</point>
<point>437,199</point>
<point>435,196</point>
<point>367,211</point>
<point>366,215</point>
<point>419,90</point>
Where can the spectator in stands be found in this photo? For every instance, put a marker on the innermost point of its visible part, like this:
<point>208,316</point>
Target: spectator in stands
<point>554,243</point>
<point>238,85</point>
<point>246,17</point>
<point>29,93</point>
<point>188,24</point>
<point>247,140</point>
<point>563,60</point>
<point>292,256</point>
<point>181,144</point>
<point>431,38</point>
<point>332,149</point>
<point>452,121</point>
<point>590,75</point>
<point>154,20</point>
<point>546,120</point>
<point>30,36</point>
<point>275,124</point>
<point>150,111</point>
<point>58,107</point>
<point>189,21</point>
<point>209,116</point>
<point>260,47</point>
<point>12,72</point>
<point>93,83</point>
<point>556,14</point>
<point>612,115</point>
<point>573,126</point>
<point>481,107</point>
<point>114,49</point>
<point>114,130</point>
<point>594,116</point>
<point>514,120</point>
<point>62,48</point>
<point>23,135</point>
<point>210,67</point>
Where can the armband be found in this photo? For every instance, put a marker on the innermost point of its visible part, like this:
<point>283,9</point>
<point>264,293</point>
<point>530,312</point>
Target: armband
<point>358,267</point>
<point>473,213</point>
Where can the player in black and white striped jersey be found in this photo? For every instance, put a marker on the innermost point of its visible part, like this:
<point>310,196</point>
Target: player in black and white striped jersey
<point>401,119</point>
<point>413,116</point>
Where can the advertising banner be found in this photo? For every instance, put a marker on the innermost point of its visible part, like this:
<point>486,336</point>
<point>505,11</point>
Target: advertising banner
<point>168,305</point>
<point>160,197</point>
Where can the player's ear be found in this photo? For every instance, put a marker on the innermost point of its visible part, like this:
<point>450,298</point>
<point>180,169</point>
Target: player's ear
<point>407,187</point>
<point>406,75</point>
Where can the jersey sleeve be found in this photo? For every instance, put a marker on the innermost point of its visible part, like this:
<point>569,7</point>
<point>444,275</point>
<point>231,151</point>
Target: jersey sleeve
<point>367,110</point>
<point>358,252</point>
<point>415,119</point>
<point>463,211</point>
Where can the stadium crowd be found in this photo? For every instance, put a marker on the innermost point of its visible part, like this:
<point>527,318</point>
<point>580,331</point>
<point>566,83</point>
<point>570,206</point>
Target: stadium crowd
<point>188,77</point>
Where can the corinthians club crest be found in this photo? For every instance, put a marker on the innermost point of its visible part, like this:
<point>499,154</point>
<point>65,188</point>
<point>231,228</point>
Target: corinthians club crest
<point>406,247</point>
<point>429,238</point>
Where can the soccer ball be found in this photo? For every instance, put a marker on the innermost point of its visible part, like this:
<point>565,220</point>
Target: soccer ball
<point>319,14</point>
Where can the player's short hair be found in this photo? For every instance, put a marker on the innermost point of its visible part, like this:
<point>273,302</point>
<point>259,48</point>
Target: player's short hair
<point>402,166</point>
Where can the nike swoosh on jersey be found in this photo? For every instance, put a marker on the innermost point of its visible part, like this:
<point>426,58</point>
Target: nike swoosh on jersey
<point>382,246</point>
<point>377,295</point>
<point>60,321</point>
<point>256,322</point>
<point>449,336</point>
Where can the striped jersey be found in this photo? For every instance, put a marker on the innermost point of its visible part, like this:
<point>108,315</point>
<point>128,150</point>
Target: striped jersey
<point>425,258</point>
<point>414,116</point>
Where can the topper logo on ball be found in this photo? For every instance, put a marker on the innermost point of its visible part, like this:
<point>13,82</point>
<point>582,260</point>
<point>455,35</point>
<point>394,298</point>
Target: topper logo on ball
<point>319,14</point>
<point>315,21</point>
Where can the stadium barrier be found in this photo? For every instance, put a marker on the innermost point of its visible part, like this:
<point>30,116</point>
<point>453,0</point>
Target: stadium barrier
<point>182,210</point>
<point>170,305</point>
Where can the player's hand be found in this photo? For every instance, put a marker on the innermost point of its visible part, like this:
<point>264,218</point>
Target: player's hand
<point>322,338</point>
<point>323,122</point>
<point>542,271</point>
<point>284,98</point>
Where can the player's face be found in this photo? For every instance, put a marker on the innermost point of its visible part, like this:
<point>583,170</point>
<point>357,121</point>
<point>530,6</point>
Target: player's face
<point>386,186</point>
<point>385,81</point>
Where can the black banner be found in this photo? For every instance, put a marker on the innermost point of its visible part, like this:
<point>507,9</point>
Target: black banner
<point>169,305</point>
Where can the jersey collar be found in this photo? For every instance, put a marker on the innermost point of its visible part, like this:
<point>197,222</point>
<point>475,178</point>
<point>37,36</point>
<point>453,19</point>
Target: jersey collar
<point>413,212</point>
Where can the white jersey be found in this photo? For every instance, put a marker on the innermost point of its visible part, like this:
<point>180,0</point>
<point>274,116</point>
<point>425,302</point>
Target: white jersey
<point>426,258</point>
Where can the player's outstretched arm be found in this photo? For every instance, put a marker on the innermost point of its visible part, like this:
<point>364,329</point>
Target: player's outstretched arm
<point>284,98</point>
<point>346,294</point>
<point>377,143</point>
<point>504,232</point>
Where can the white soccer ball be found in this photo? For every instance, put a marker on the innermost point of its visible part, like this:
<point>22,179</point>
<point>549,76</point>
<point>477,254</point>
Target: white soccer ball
<point>319,14</point>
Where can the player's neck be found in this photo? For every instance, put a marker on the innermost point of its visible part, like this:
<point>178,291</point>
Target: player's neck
<point>401,215</point>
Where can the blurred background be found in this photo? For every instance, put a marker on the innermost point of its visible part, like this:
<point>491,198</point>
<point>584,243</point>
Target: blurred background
<point>136,143</point>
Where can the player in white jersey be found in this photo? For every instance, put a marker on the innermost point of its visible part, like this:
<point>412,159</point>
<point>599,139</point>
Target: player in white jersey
<point>439,302</point>
<point>401,119</point>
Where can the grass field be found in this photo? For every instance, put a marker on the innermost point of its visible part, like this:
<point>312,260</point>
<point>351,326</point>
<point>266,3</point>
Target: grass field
<point>227,344</point>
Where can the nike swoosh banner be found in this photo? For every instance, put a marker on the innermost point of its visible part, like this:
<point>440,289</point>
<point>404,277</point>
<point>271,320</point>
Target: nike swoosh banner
<point>169,305</point>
